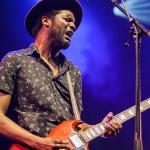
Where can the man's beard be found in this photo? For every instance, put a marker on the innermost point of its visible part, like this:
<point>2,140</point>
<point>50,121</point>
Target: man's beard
<point>59,42</point>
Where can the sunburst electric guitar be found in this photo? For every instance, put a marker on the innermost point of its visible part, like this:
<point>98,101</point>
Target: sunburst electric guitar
<point>66,131</point>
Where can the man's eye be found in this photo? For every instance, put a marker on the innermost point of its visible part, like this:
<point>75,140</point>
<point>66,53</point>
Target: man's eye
<point>67,19</point>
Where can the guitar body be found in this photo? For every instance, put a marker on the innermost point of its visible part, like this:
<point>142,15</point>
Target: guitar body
<point>66,131</point>
<point>63,131</point>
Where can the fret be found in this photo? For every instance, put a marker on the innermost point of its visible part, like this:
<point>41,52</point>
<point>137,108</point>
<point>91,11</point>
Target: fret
<point>84,136</point>
<point>96,131</point>
<point>116,119</point>
<point>143,105</point>
<point>92,132</point>
<point>141,108</point>
<point>87,133</point>
<point>99,129</point>
<point>102,127</point>
<point>131,112</point>
<point>146,104</point>
<point>122,116</point>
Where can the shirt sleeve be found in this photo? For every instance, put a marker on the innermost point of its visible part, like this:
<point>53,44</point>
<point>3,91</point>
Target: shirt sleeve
<point>8,73</point>
<point>78,91</point>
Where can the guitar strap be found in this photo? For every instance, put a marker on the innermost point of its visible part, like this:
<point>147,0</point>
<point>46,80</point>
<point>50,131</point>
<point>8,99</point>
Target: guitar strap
<point>73,99</point>
<point>71,91</point>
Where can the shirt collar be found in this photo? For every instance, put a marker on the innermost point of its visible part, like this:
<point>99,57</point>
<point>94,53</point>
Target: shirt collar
<point>63,64</point>
<point>31,49</point>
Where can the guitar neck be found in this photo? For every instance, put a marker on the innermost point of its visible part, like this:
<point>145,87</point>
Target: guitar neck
<point>122,117</point>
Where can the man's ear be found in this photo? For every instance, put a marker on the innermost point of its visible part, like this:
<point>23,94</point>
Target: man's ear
<point>46,21</point>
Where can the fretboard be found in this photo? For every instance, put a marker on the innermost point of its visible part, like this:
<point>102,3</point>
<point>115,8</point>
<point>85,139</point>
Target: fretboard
<point>122,117</point>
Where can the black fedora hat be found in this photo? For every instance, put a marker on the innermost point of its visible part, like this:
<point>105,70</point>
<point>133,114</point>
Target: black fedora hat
<point>43,5</point>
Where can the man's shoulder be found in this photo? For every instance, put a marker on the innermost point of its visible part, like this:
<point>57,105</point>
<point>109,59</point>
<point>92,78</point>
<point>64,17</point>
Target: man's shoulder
<point>74,67</point>
<point>15,57</point>
<point>15,54</point>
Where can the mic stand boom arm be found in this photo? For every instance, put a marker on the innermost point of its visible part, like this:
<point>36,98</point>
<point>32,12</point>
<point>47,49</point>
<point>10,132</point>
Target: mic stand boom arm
<point>139,30</point>
<point>132,20</point>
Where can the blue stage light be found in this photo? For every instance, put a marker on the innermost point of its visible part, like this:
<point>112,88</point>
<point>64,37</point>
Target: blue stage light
<point>140,9</point>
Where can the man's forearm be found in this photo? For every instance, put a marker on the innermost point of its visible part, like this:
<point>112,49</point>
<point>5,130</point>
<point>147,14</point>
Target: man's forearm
<point>13,131</point>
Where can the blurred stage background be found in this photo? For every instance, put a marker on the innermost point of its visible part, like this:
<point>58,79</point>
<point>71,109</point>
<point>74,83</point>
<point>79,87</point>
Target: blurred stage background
<point>108,67</point>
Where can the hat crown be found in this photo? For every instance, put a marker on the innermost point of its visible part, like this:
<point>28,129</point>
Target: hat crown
<point>35,11</point>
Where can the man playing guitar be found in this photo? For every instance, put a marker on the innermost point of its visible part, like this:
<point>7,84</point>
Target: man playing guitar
<point>33,82</point>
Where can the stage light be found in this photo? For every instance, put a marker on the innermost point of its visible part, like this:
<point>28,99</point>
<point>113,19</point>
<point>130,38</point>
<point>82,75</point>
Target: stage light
<point>139,9</point>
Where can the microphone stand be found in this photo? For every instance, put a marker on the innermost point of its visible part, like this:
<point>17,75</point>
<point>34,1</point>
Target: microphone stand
<point>139,30</point>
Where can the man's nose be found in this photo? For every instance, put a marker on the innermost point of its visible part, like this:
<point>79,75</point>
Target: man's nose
<point>72,26</point>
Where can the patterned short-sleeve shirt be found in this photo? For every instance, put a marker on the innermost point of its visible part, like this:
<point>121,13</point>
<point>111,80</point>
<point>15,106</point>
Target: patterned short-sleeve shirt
<point>39,100</point>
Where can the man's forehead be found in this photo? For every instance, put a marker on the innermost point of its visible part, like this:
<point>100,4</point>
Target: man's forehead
<point>66,12</point>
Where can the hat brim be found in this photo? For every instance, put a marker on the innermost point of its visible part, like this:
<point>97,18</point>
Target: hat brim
<point>43,5</point>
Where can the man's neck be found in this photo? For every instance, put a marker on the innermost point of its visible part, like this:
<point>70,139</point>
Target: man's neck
<point>47,53</point>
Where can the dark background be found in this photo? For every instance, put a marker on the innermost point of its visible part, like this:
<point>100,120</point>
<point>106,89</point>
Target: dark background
<point>107,66</point>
